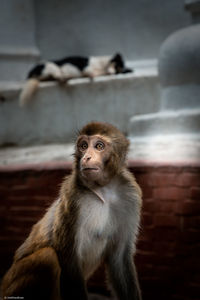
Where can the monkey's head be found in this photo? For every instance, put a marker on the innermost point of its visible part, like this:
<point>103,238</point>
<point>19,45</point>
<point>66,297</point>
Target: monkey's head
<point>100,153</point>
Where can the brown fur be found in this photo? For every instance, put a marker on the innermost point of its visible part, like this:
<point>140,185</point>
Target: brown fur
<point>32,276</point>
<point>60,254</point>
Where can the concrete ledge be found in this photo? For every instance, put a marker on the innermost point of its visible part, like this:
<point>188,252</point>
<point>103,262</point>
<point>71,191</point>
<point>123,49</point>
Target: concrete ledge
<point>167,122</point>
<point>67,165</point>
<point>175,150</point>
<point>167,135</point>
<point>57,112</point>
<point>11,156</point>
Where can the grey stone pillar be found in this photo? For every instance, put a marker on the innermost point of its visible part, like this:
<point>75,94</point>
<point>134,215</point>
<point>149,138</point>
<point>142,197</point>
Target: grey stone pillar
<point>17,35</point>
<point>194,7</point>
<point>174,132</point>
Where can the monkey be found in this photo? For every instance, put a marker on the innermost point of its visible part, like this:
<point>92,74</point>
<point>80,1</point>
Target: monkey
<point>95,220</point>
<point>71,67</point>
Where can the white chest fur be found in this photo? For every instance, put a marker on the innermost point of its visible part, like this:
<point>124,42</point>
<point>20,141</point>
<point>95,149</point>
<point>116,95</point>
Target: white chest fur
<point>95,227</point>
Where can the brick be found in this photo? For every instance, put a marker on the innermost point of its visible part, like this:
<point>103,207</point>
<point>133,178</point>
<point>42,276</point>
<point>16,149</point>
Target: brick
<point>192,290</point>
<point>4,191</point>
<point>192,249</point>
<point>165,206</point>
<point>19,230</point>
<point>160,287</point>
<point>147,192</point>
<point>196,277</point>
<point>166,221</point>
<point>157,179</point>
<point>163,180</point>
<point>162,246</point>
<point>191,263</point>
<point>3,222</point>
<point>190,236</point>
<point>152,258</point>
<point>188,179</point>
<point>147,219</point>
<point>41,201</point>
<point>145,245</point>
<point>170,193</point>
<point>45,179</point>
<point>7,243</point>
<point>145,257</point>
<point>164,272</point>
<point>149,206</point>
<point>145,180</point>
<point>147,234</point>
<point>188,208</point>
<point>14,178</point>
<point>166,234</point>
<point>26,211</point>
<point>30,192</point>
<point>178,297</point>
<point>20,224</point>
<point>167,252</point>
<point>195,193</point>
<point>169,169</point>
<point>191,222</point>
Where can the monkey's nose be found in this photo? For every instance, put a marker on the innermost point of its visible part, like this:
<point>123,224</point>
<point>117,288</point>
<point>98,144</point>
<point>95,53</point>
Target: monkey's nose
<point>87,158</point>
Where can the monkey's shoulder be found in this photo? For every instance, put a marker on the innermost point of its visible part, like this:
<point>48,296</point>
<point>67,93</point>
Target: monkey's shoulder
<point>42,231</point>
<point>129,181</point>
<point>68,188</point>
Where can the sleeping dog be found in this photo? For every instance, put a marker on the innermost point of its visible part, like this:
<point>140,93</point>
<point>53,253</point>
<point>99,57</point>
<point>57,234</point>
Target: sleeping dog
<point>71,67</point>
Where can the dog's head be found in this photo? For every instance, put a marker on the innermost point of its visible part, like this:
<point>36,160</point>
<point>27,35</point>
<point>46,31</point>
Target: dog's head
<point>118,64</point>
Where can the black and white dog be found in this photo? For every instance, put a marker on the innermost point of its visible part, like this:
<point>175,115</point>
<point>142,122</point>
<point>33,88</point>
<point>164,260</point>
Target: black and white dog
<point>71,67</point>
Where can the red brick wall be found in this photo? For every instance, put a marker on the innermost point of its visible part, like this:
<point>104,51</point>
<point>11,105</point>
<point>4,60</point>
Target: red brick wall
<point>168,255</point>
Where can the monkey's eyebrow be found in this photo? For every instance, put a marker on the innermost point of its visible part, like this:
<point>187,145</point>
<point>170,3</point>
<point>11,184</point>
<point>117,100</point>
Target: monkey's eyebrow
<point>80,138</point>
<point>103,138</point>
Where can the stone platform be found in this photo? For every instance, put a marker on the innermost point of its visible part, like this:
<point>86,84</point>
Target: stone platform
<point>56,112</point>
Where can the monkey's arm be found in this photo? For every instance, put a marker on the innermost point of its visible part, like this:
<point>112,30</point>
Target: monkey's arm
<point>123,276</point>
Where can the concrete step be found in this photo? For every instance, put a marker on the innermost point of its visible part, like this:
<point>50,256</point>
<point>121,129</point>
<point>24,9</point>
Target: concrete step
<point>57,112</point>
<point>171,148</point>
<point>170,136</point>
<point>166,122</point>
<point>28,155</point>
<point>174,148</point>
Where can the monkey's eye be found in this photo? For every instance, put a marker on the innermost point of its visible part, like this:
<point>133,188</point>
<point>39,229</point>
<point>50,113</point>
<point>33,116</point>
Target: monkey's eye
<point>99,146</point>
<point>83,146</point>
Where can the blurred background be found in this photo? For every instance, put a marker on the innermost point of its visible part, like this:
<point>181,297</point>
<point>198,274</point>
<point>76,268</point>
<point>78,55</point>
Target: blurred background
<point>157,107</point>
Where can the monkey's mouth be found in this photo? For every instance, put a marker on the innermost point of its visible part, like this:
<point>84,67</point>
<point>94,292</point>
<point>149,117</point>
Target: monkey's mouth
<point>90,169</point>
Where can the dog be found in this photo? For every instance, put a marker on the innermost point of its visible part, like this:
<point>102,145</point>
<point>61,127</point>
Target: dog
<point>71,67</point>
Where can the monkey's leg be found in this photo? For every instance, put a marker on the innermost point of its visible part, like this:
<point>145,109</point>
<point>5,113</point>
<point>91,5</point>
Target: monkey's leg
<point>123,276</point>
<point>36,276</point>
<point>72,283</point>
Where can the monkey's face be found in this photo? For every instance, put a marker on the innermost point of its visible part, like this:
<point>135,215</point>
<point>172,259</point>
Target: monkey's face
<point>93,153</point>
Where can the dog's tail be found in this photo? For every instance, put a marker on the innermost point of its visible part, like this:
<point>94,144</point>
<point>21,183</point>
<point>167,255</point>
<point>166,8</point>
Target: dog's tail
<point>28,91</point>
